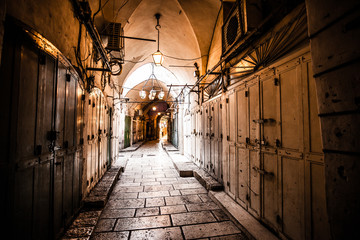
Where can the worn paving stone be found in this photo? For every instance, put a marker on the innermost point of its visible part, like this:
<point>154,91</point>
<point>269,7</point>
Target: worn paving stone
<point>142,223</point>
<point>154,194</point>
<point>175,193</point>
<point>117,213</point>
<point>210,230</point>
<point>105,225</point>
<point>141,180</point>
<point>142,212</point>
<point>84,222</point>
<point>89,214</point>
<point>126,203</point>
<point>205,198</point>
<point>173,209</point>
<point>155,234</point>
<point>155,202</point>
<point>79,232</point>
<point>128,189</point>
<point>187,186</point>
<point>150,183</point>
<point>110,235</point>
<point>192,218</point>
<point>128,184</point>
<point>177,200</point>
<point>121,195</point>
<point>193,191</point>
<point>231,237</point>
<point>158,188</point>
<point>202,206</point>
<point>164,179</point>
<point>220,215</point>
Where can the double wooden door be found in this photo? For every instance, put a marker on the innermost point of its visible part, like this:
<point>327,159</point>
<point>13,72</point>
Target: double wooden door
<point>42,164</point>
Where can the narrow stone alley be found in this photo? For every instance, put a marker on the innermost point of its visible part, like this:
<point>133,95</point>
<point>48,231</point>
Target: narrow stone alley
<point>151,201</point>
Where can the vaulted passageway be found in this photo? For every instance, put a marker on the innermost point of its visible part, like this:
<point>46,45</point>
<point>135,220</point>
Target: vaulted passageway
<point>257,99</point>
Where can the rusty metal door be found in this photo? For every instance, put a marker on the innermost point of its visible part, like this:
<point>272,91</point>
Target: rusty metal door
<point>198,137</point>
<point>291,157</point>
<point>230,168</point>
<point>242,153</point>
<point>254,147</point>
<point>270,90</point>
<point>38,198</point>
<point>193,136</point>
<point>215,140</point>
<point>207,132</point>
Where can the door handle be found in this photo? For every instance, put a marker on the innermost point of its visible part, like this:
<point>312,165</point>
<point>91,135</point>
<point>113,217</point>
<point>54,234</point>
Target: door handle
<point>263,172</point>
<point>262,121</point>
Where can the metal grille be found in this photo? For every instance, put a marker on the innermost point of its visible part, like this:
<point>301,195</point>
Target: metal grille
<point>115,42</point>
<point>232,28</point>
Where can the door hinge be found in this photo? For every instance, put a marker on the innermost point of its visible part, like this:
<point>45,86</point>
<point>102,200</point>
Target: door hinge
<point>277,143</point>
<point>221,136</point>
<point>38,150</point>
<point>227,100</point>
<point>68,77</point>
<point>83,97</point>
<point>81,141</point>
<point>228,138</point>
<point>276,81</point>
<point>52,135</point>
<point>246,93</point>
<point>42,59</point>
<point>228,183</point>
<point>220,106</point>
<point>212,108</point>
<point>247,140</point>
<point>89,101</point>
<point>247,197</point>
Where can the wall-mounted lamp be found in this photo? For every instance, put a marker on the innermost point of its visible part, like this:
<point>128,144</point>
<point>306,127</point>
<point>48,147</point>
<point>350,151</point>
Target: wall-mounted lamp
<point>158,57</point>
<point>196,72</point>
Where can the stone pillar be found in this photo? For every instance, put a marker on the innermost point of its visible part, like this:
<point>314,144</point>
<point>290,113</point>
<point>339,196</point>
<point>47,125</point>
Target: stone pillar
<point>334,34</point>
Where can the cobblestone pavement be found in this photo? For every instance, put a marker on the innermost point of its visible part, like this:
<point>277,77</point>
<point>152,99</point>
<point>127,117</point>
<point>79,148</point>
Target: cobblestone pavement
<point>151,201</point>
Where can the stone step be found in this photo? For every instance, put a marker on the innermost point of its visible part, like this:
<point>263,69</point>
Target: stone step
<point>133,147</point>
<point>207,180</point>
<point>99,195</point>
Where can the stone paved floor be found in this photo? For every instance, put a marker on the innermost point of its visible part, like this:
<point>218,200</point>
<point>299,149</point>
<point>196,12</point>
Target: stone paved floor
<point>151,201</point>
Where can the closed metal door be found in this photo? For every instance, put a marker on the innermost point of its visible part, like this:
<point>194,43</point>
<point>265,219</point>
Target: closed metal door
<point>242,153</point>
<point>254,147</point>
<point>292,164</point>
<point>231,165</point>
<point>270,139</point>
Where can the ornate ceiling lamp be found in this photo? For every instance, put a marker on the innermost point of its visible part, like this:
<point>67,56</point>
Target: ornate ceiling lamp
<point>154,87</point>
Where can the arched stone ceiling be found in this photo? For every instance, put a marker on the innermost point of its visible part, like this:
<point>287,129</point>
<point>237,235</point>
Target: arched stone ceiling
<point>186,32</point>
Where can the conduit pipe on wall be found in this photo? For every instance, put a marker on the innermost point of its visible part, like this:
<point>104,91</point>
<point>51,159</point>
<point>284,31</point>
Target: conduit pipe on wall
<point>83,12</point>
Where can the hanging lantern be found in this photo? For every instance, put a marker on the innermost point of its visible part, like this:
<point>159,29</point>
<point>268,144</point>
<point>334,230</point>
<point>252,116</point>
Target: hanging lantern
<point>142,94</point>
<point>161,95</point>
<point>152,94</point>
<point>158,58</point>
